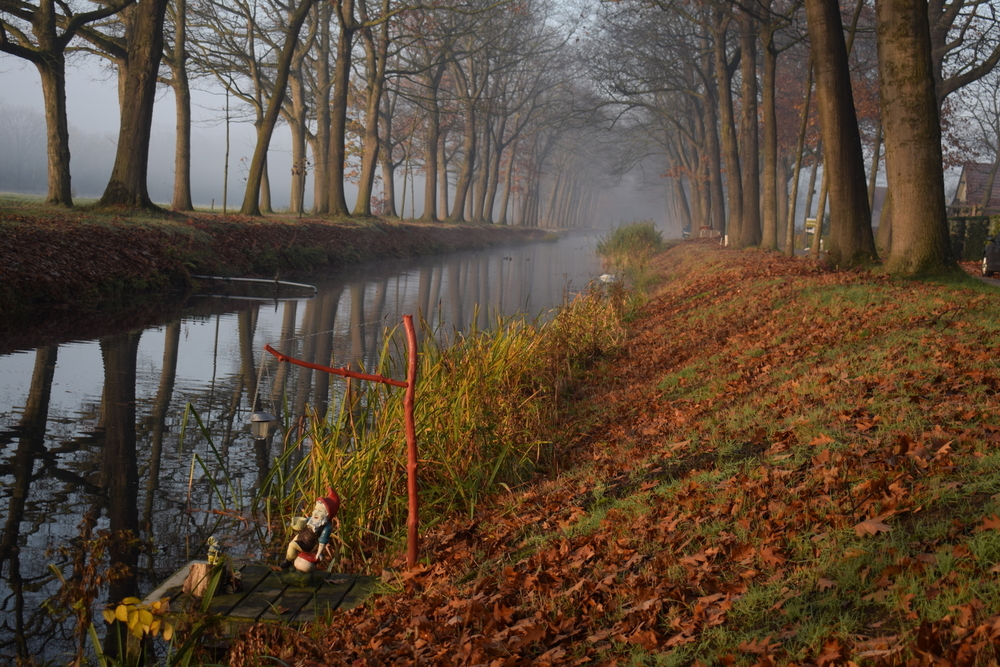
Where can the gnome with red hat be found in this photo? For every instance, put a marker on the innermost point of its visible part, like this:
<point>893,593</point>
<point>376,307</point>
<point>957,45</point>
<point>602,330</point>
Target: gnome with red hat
<point>313,534</point>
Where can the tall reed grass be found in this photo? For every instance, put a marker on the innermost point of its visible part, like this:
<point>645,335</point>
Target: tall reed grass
<point>628,249</point>
<point>486,406</point>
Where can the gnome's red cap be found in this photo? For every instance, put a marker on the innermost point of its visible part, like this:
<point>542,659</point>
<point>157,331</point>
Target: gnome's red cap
<point>332,502</point>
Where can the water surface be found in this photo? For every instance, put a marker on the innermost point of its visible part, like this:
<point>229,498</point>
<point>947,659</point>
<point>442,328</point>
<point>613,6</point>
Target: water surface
<point>92,426</point>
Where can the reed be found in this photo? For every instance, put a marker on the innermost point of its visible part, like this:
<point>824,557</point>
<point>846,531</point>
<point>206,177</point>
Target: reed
<point>628,249</point>
<point>486,406</point>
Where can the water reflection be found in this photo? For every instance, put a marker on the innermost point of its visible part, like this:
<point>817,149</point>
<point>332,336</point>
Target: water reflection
<point>94,425</point>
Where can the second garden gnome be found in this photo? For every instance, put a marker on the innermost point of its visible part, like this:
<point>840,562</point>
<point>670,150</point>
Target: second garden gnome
<point>313,534</point>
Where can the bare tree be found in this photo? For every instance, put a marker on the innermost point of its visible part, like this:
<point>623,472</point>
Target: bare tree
<point>52,25</point>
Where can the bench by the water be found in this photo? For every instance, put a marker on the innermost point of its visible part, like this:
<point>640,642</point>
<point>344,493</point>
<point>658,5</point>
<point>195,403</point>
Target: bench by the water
<point>289,596</point>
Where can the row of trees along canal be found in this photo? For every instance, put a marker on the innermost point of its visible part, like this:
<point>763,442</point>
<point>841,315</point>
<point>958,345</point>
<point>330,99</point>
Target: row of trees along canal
<point>721,91</point>
<point>485,87</point>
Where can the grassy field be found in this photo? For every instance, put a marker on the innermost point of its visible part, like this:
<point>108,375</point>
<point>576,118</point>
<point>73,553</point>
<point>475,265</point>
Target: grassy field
<point>781,465</point>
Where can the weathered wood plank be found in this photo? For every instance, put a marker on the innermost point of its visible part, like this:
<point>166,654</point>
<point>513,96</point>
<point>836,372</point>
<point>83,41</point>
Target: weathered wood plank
<point>289,596</point>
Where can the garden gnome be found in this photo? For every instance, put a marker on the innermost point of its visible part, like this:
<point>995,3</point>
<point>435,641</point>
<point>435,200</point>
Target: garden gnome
<point>313,534</point>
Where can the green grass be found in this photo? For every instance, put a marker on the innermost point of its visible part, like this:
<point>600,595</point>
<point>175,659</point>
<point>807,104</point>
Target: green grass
<point>485,408</point>
<point>628,250</point>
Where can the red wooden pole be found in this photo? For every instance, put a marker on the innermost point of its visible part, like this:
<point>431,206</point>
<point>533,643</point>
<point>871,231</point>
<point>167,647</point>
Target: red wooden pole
<point>343,372</point>
<point>412,522</point>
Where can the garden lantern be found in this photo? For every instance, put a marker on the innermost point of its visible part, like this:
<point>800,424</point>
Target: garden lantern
<point>260,424</point>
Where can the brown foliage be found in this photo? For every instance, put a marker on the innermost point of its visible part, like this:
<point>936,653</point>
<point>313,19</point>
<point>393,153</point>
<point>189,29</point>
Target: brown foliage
<point>519,585</point>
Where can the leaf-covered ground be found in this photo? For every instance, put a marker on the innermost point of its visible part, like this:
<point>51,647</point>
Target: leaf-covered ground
<point>786,465</point>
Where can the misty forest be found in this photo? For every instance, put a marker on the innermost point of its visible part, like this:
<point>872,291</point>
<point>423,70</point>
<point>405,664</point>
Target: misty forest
<point>525,111</point>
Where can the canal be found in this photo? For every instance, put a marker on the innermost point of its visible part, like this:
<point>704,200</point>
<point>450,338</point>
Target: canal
<point>98,420</point>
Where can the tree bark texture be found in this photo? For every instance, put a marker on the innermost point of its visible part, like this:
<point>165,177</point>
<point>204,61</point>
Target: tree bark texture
<point>53,75</point>
<point>793,198</point>
<point>716,191</point>
<point>769,194</point>
<point>127,186</point>
<point>912,128</point>
<point>464,182</point>
<point>258,165</point>
<point>749,234</point>
<point>376,57</point>
<point>431,148</point>
<point>182,104</point>
<point>851,240</point>
<point>338,107</point>
<point>727,124</point>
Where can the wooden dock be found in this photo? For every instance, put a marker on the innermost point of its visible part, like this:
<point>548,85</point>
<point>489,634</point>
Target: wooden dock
<point>289,596</point>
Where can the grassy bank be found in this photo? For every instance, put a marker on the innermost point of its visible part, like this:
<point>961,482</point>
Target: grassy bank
<point>783,465</point>
<point>52,256</point>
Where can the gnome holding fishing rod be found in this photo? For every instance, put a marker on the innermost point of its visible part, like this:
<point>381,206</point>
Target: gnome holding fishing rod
<point>313,534</point>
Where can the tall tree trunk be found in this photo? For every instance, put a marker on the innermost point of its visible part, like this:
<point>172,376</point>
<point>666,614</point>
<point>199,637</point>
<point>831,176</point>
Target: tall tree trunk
<point>769,197</point>
<point>265,188</point>
<point>912,125</point>
<point>508,183</point>
<point>443,175</point>
<point>727,123</point>
<point>811,190</point>
<point>884,239</point>
<point>321,100</point>
<point>824,190</point>
<point>376,57</point>
<point>681,205</point>
<point>464,182</point>
<point>716,192</point>
<point>783,176</point>
<point>851,239</point>
<point>53,75</point>
<point>251,198</point>
<point>297,119</point>
<point>749,145</point>
<point>432,146</point>
<point>482,178</point>
<point>127,186</point>
<point>793,198</point>
<point>494,176</point>
<point>338,107</point>
<point>182,103</point>
<point>873,174</point>
<point>388,166</point>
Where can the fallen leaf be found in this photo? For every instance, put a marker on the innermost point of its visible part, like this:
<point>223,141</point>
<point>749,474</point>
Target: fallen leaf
<point>871,527</point>
<point>989,523</point>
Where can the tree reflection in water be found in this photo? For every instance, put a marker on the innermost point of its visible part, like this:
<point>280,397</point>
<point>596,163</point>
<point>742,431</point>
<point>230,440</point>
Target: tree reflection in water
<point>76,440</point>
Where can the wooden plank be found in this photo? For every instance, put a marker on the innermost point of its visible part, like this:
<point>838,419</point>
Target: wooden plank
<point>267,595</point>
<point>174,581</point>
<point>333,589</point>
<point>288,603</point>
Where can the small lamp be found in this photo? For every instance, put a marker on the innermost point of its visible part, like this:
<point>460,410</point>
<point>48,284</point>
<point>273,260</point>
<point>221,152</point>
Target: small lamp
<point>260,424</point>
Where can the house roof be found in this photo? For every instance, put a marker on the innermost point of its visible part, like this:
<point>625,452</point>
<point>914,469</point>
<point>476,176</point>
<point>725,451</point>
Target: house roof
<point>972,187</point>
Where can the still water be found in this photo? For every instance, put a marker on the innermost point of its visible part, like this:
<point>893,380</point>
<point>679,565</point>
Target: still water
<point>96,426</point>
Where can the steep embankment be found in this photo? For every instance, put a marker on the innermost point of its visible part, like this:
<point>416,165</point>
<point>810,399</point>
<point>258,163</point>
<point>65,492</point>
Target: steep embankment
<point>784,466</point>
<point>52,256</point>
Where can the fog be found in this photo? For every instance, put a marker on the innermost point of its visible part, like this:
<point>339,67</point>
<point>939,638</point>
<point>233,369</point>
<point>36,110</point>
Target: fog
<point>92,104</point>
